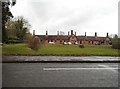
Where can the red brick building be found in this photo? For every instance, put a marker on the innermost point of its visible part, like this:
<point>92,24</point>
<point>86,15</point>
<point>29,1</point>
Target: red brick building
<point>60,39</point>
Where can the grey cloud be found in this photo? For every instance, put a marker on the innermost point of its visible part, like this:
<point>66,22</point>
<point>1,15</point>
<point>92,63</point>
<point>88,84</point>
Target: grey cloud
<point>42,10</point>
<point>78,19</point>
<point>75,21</point>
<point>51,15</point>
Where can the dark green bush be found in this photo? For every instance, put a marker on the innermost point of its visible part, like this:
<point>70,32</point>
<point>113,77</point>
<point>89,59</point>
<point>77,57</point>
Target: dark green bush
<point>81,46</point>
<point>13,38</point>
<point>13,41</point>
<point>116,43</point>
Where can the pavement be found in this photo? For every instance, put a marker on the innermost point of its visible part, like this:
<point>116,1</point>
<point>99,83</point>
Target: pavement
<point>60,59</point>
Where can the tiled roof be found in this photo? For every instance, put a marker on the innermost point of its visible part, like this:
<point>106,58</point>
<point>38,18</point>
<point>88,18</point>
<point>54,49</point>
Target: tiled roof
<point>66,37</point>
<point>53,37</point>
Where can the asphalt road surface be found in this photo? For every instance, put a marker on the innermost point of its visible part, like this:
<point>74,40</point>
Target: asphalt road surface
<point>60,75</point>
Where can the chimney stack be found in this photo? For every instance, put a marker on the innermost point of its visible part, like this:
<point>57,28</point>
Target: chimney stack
<point>85,33</point>
<point>71,32</point>
<point>95,34</point>
<point>107,35</point>
<point>33,32</point>
<point>75,33</point>
<point>58,33</point>
<point>68,33</point>
<point>46,33</point>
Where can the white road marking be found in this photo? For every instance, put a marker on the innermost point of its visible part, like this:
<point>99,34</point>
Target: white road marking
<point>106,66</point>
<point>49,69</point>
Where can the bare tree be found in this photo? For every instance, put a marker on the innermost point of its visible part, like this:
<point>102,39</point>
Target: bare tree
<point>62,33</point>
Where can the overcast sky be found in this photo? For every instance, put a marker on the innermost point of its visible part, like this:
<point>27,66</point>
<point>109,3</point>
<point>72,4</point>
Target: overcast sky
<point>82,16</point>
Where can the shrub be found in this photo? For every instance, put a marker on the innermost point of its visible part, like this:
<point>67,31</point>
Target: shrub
<point>13,41</point>
<point>81,46</point>
<point>116,43</point>
<point>34,43</point>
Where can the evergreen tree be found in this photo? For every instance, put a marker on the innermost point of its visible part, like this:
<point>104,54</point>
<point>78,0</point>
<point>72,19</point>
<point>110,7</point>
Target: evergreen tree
<point>6,14</point>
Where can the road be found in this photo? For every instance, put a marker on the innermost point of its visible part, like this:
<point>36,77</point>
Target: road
<point>60,75</point>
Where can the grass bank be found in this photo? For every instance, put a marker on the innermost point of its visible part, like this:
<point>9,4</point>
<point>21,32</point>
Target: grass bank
<point>60,50</point>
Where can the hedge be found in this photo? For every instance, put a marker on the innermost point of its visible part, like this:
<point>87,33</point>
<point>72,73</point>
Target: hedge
<point>116,43</point>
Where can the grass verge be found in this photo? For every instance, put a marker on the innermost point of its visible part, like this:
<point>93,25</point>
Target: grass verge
<point>60,50</point>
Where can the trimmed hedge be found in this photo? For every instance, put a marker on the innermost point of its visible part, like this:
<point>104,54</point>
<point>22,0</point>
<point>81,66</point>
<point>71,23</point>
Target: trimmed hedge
<point>13,41</point>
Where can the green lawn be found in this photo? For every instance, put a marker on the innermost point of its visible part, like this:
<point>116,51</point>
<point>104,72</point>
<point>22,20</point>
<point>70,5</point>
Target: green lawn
<point>60,49</point>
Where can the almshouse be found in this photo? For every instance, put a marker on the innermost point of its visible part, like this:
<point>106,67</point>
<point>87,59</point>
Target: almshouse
<point>60,39</point>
